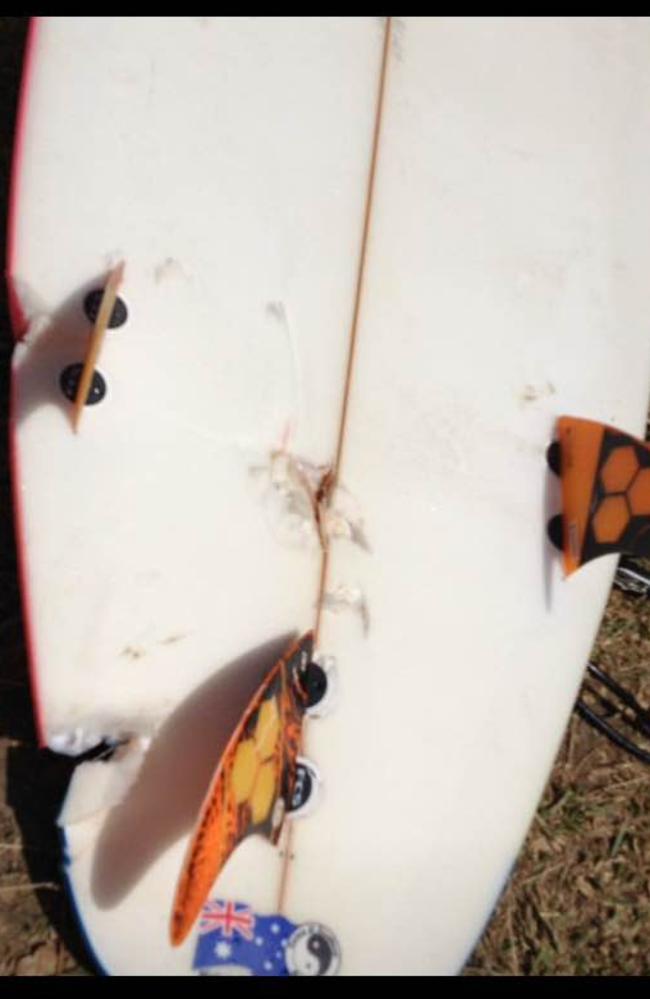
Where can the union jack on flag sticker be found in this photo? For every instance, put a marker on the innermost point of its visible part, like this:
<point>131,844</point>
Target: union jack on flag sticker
<point>229,917</point>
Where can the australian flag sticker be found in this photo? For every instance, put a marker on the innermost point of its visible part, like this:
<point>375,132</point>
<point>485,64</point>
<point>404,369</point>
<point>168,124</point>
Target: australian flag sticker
<point>234,940</point>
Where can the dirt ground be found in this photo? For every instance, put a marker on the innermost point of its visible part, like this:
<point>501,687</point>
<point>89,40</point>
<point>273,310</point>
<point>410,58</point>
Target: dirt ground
<point>579,899</point>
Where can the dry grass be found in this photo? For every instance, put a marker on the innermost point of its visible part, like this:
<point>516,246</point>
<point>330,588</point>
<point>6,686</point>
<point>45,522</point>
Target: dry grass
<point>579,900</point>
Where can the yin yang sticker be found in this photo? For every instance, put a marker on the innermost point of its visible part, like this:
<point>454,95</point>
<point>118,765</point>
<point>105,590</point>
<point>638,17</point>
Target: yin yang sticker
<point>312,951</point>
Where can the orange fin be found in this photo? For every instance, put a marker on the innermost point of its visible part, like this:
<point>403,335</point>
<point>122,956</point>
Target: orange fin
<point>253,785</point>
<point>605,477</point>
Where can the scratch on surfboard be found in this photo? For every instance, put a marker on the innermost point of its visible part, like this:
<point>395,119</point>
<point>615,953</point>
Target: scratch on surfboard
<point>277,313</point>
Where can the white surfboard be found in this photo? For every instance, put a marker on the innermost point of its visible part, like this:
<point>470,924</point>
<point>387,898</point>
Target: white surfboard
<point>227,162</point>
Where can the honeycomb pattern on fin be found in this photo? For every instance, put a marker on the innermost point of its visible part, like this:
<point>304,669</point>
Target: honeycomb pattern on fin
<point>605,479</point>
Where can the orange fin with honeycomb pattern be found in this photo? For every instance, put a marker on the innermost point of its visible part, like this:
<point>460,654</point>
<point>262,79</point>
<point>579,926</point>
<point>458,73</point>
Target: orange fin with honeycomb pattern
<point>253,785</point>
<point>605,482</point>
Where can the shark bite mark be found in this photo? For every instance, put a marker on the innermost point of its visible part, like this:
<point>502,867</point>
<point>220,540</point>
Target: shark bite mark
<point>305,505</point>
